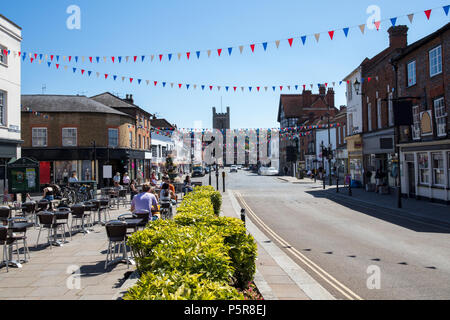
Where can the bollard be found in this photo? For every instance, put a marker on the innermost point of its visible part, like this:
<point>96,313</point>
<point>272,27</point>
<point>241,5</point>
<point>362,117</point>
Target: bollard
<point>350,188</point>
<point>217,180</point>
<point>323,182</point>
<point>223,180</point>
<point>243,215</point>
<point>337,183</point>
<point>210,182</point>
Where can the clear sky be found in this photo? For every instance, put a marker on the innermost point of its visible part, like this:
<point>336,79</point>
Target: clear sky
<point>137,27</point>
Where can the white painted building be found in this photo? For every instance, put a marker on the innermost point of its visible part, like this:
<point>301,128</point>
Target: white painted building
<point>354,104</point>
<point>10,83</point>
<point>322,137</point>
<point>162,145</point>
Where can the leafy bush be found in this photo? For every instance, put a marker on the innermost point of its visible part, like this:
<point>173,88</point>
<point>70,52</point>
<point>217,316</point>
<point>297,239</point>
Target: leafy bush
<point>178,286</point>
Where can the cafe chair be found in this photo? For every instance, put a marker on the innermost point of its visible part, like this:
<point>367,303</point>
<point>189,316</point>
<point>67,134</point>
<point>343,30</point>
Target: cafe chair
<point>47,221</point>
<point>5,241</point>
<point>117,234</point>
<point>62,220</point>
<point>78,214</point>
<point>20,235</point>
<point>5,214</point>
<point>29,209</point>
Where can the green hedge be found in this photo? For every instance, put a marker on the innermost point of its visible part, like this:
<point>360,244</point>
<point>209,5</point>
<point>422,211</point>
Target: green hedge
<point>196,247</point>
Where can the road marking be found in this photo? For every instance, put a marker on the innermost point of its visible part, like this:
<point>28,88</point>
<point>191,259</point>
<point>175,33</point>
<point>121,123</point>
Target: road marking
<point>346,292</point>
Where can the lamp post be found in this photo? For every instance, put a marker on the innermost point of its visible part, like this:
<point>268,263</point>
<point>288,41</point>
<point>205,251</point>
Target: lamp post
<point>322,146</point>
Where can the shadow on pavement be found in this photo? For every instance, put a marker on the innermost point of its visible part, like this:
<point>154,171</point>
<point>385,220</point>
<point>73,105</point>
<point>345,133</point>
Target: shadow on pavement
<point>399,218</point>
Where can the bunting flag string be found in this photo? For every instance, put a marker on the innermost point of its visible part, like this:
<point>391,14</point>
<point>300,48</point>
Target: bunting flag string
<point>252,46</point>
<point>36,113</point>
<point>187,86</point>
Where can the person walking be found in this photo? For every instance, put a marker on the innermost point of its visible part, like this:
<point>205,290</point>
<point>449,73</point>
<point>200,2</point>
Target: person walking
<point>116,178</point>
<point>126,179</point>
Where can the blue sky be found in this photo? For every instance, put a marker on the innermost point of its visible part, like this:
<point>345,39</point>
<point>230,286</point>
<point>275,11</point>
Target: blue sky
<point>137,27</point>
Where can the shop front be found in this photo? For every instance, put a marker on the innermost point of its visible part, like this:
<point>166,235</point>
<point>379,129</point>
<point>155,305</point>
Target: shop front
<point>355,158</point>
<point>9,151</point>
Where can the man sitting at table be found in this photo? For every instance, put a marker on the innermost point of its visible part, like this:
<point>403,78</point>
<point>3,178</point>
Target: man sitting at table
<point>145,201</point>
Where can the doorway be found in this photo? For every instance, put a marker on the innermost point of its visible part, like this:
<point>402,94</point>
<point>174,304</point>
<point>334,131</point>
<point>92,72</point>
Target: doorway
<point>411,180</point>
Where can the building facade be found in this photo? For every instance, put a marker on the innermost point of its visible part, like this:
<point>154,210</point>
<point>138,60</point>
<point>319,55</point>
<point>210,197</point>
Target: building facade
<point>423,75</point>
<point>10,89</point>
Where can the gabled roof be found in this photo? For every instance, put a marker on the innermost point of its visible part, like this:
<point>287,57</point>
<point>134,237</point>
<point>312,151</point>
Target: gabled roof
<point>161,123</point>
<point>113,101</point>
<point>66,103</point>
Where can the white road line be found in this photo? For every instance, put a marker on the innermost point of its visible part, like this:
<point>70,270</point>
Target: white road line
<point>303,280</point>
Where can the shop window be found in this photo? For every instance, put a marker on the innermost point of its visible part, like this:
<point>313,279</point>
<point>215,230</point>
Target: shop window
<point>424,173</point>
<point>438,169</point>
<point>154,152</point>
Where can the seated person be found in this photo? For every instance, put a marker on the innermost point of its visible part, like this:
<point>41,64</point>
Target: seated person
<point>173,194</point>
<point>145,202</point>
<point>166,196</point>
<point>187,185</point>
<point>49,193</point>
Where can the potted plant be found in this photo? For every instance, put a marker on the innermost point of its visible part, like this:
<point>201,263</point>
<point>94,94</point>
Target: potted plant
<point>171,168</point>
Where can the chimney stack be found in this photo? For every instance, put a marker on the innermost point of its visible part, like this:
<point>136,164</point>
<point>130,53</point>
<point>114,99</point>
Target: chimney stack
<point>322,90</point>
<point>398,37</point>
<point>330,97</point>
<point>307,98</point>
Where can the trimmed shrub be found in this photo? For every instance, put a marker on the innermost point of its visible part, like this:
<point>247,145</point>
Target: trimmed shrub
<point>178,286</point>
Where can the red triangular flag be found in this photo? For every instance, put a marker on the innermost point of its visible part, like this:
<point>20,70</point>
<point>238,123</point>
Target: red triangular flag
<point>90,59</point>
<point>32,60</point>
<point>57,66</point>
<point>106,76</point>
<point>234,88</point>
<point>82,71</point>
<point>70,58</point>
<point>290,41</point>
<point>135,57</point>
<point>377,24</point>
<point>210,87</point>
<point>35,55</point>
<point>331,33</point>
<point>428,14</point>
<point>131,80</point>
<point>188,54</point>
<point>252,46</point>
<point>20,53</point>
<point>113,58</point>
<point>281,88</point>
<point>51,57</point>
<point>257,88</point>
<point>160,57</point>
<point>219,51</point>
<point>156,82</point>
<point>326,84</point>
<point>179,85</point>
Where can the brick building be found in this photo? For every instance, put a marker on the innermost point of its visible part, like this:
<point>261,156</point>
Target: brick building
<point>298,110</point>
<point>378,87</point>
<point>423,75</point>
<point>62,138</point>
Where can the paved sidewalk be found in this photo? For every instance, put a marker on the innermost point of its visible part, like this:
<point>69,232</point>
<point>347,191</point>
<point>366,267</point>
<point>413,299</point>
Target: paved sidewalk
<point>277,276</point>
<point>49,273</point>
<point>420,209</point>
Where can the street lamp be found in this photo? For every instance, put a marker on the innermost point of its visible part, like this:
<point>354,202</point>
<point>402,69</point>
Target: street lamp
<point>322,146</point>
<point>357,86</point>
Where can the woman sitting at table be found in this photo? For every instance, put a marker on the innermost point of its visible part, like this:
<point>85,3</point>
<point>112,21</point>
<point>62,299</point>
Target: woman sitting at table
<point>49,192</point>
<point>133,189</point>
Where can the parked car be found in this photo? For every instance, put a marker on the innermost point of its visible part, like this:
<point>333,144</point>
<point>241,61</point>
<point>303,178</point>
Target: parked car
<point>265,171</point>
<point>233,169</point>
<point>198,172</point>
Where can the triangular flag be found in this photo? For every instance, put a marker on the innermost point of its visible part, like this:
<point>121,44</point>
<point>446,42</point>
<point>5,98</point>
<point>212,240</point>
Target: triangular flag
<point>411,17</point>
<point>277,43</point>
<point>70,58</point>
<point>187,86</point>
<point>331,33</point>
<point>143,57</point>
<point>114,77</point>
<point>252,46</point>
<point>106,76</point>
<point>346,31</point>
<point>428,13</point>
<point>74,70</point>
<point>317,35</point>
<point>160,57</point>
<point>82,71</point>
<point>210,87</point>
<point>394,21</point>
<point>98,59</point>
<point>179,85</point>
<point>135,57</point>
<point>179,56</point>
<point>219,51</point>
<point>377,25</point>
<point>123,79</point>
<point>152,57</point>
<point>164,84</point>
<point>291,40</point>
<point>203,87</point>
<point>304,39</point>
<point>209,53</point>
<point>155,82</point>
<point>188,54</point>
<point>234,89</point>
<point>139,81</point>
<point>170,56</point>
<point>265,46</point>
<point>131,80</point>
<point>57,66</point>
<point>241,48</point>
<point>104,59</point>
<point>198,54</point>
<point>98,74</point>
<point>112,58</point>
<point>265,88</point>
<point>362,28</point>
<point>446,8</point>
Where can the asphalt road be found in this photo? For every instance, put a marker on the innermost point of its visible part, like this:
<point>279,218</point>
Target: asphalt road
<point>350,249</point>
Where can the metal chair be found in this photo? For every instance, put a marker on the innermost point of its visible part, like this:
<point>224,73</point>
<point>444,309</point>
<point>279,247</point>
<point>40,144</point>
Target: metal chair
<point>5,241</point>
<point>29,209</point>
<point>62,220</point>
<point>43,205</point>
<point>117,233</point>
<point>5,214</point>
<point>20,235</point>
<point>47,221</point>
<point>122,197</point>
<point>89,208</point>
<point>104,206</point>
<point>78,214</point>
<point>145,216</point>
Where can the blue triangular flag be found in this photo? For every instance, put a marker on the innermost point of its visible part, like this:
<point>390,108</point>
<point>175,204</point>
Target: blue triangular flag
<point>170,56</point>
<point>89,73</point>
<point>74,70</point>
<point>203,87</point>
<point>98,59</point>
<point>393,21</point>
<point>57,58</point>
<point>296,87</point>
<point>230,50</point>
<point>49,64</point>
<point>265,46</point>
<point>198,54</point>
<point>40,56</point>
<point>9,52</point>
<point>250,89</point>
<point>164,84</point>
<point>24,55</point>
<point>304,40</point>
<point>340,82</point>
<point>143,57</point>
<point>273,88</point>
<point>115,77</point>
<point>227,88</point>
<point>346,31</point>
<point>139,81</point>
<point>446,9</point>
<point>187,86</point>
<point>76,59</point>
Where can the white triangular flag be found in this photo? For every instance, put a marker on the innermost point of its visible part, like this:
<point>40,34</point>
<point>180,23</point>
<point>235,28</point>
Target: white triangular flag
<point>411,17</point>
<point>312,86</point>
<point>126,58</point>
<point>289,87</point>
<point>64,58</point>
<point>195,86</point>
<point>179,56</point>
<point>123,79</point>
<point>171,85</point>
<point>152,57</point>
<point>242,88</point>
<point>65,68</point>
<point>241,48</point>
<point>209,53</point>
<point>148,81</point>
<point>277,43</point>
<point>82,58</point>
<point>104,59</point>
<point>362,28</point>
<point>334,84</point>
<point>317,35</point>
<point>98,74</point>
<point>218,87</point>
<point>265,88</point>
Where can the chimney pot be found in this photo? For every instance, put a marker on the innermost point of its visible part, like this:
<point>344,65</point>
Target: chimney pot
<point>398,37</point>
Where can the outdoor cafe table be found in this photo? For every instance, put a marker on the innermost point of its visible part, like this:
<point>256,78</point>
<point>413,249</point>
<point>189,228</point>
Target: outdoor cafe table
<point>15,227</point>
